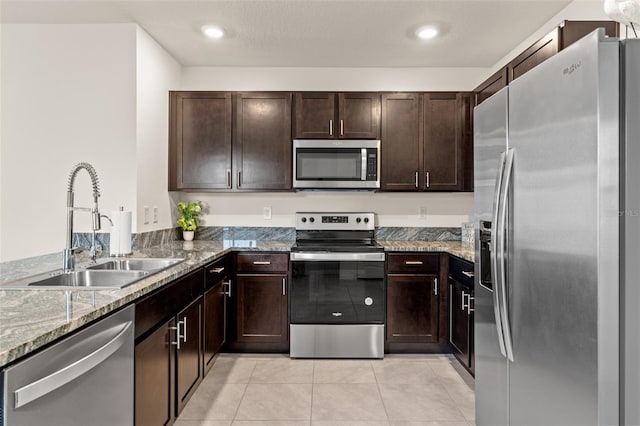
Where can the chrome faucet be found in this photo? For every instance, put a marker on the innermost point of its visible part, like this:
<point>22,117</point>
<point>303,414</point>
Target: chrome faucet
<point>68,261</point>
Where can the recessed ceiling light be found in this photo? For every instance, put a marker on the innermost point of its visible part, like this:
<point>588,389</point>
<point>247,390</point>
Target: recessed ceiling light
<point>426,33</point>
<point>212,31</point>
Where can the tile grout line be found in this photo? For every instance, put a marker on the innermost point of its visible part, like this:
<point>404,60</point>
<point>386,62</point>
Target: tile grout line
<point>455,404</point>
<point>246,386</point>
<point>384,406</point>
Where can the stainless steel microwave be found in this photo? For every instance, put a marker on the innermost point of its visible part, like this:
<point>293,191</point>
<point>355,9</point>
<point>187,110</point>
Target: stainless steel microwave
<point>336,164</point>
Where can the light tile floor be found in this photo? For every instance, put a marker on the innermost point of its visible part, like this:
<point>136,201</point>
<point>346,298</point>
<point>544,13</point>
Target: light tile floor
<point>412,390</point>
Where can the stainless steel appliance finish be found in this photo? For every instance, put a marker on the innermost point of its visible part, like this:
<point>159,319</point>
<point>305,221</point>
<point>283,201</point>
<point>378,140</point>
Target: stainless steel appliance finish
<point>336,164</point>
<point>337,290</point>
<point>337,341</point>
<point>547,326</point>
<point>86,379</point>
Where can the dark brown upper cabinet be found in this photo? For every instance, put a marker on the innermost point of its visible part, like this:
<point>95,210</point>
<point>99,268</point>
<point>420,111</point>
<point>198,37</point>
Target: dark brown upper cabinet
<point>401,141</point>
<point>262,144</point>
<point>199,140</point>
<point>327,115</point>
<point>491,85</point>
<point>558,39</point>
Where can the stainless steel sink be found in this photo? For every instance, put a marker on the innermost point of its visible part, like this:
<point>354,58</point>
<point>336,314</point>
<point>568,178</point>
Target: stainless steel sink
<point>91,279</point>
<point>141,264</point>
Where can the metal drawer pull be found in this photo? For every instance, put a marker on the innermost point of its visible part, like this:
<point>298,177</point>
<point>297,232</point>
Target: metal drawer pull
<point>184,329</point>
<point>177,329</point>
<point>468,274</point>
<point>464,304</point>
<point>50,383</point>
<point>416,181</point>
<point>330,127</point>
<point>341,127</point>
<point>262,262</point>
<point>435,286</point>
<point>284,286</point>
<point>229,178</point>
<point>426,178</point>
<point>469,300</point>
<point>216,270</point>
<point>413,262</point>
<point>228,292</point>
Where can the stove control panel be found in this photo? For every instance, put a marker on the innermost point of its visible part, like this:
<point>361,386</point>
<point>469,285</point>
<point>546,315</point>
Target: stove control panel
<point>335,221</point>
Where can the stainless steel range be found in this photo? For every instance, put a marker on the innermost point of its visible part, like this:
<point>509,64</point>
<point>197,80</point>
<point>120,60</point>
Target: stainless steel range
<point>337,288</point>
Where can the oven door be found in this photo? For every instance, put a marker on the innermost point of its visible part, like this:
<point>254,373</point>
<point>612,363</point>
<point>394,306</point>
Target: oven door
<point>337,288</point>
<point>340,164</point>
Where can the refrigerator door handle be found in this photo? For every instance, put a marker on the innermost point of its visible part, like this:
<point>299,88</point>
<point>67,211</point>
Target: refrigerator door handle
<point>493,249</point>
<point>502,253</point>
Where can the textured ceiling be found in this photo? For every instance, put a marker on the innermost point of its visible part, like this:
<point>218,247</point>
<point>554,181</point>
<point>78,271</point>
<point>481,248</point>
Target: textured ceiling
<point>313,33</point>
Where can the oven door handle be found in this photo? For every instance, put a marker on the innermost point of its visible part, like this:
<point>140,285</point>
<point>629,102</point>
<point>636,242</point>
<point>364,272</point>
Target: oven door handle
<point>331,256</point>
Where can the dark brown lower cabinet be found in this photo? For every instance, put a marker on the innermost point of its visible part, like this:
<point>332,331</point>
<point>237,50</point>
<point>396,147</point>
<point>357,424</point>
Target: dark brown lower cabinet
<point>412,308</point>
<point>262,309</point>
<point>214,322</point>
<point>189,371</point>
<point>461,303</point>
<point>154,377</point>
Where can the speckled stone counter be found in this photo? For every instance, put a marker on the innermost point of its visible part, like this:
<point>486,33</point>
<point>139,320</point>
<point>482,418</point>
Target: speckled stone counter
<point>30,319</point>
<point>455,248</point>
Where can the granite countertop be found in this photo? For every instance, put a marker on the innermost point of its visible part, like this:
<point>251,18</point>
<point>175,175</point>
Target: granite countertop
<point>30,319</point>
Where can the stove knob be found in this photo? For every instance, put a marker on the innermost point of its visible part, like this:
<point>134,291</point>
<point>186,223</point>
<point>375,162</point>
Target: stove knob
<point>304,219</point>
<point>311,220</point>
<point>358,220</point>
<point>366,220</point>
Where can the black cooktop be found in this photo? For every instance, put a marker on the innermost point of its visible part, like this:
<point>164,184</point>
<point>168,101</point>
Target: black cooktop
<point>338,246</point>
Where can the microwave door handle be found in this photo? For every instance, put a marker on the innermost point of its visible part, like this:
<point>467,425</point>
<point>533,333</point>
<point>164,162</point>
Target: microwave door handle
<point>363,173</point>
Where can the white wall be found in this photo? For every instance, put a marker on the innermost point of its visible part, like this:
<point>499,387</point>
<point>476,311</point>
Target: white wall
<point>157,72</point>
<point>68,95</point>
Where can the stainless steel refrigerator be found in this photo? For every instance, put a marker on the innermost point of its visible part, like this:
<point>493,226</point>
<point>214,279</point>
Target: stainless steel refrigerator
<point>557,212</point>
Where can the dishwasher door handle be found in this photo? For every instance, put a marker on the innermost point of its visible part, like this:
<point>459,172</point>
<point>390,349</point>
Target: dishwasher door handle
<point>50,383</point>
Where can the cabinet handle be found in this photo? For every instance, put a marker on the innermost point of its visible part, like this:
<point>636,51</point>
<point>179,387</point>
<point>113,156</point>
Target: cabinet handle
<point>416,179</point>
<point>468,274</point>
<point>341,127</point>
<point>464,305</point>
<point>229,178</point>
<point>469,300</point>
<point>413,262</point>
<point>239,178</point>
<point>284,286</point>
<point>330,127</point>
<point>216,270</point>
<point>435,286</point>
<point>262,262</point>
<point>426,178</point>
<point>177,329</point>
<point>228,292</point>
<point>184,329</point>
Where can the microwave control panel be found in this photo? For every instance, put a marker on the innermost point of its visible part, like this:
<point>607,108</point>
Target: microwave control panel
<point>372,164</point>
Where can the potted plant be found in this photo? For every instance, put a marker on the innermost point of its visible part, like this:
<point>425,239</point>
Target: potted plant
<point>189,218</point>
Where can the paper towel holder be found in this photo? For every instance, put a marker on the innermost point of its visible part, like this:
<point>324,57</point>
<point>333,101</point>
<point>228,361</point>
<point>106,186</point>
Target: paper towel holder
<point>115,244</point>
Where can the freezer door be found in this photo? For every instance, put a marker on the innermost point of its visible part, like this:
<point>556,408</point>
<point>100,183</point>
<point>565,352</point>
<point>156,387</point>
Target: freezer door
<point>631,234</point>
<point>490,140</point>
<point>563,247</point>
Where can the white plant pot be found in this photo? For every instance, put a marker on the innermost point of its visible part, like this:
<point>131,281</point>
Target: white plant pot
<point>188,235</point>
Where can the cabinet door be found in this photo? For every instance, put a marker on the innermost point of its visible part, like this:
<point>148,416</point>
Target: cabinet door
<point>491,85</point>
<point>459,332</point>
<point>263,141</point>
<point>442,142</point>
<point>359,115</point>
<point>401,142</point>
<point>154,377</point>
<point>189,355</point>
<point>200,140</point>
<point>315,114</point>
<point>465,132</point>
<point>412,308</point>
<point>262,308</point>
<point>214,322</point>
<point>539,52</point>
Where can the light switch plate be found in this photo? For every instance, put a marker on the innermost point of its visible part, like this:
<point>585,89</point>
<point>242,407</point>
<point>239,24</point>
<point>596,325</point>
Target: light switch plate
<point>146,215</point>
<point>266,212</point>
<point>423,212</point>
<point>155,214</point>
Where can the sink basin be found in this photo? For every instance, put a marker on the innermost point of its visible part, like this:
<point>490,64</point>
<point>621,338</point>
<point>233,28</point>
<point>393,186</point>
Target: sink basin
<point>91,279</point>
<point>144,264</point>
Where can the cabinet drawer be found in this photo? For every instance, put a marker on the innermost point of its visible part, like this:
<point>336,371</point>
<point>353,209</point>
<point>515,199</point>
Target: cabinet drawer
<point>461,271</point>
<point>215,271</point>
<point>262,262</point>
<point>403,263</point>
<point>167,301</point>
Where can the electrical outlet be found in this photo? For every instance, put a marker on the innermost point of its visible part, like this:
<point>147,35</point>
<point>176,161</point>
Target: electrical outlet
<point>146,215</point>
<point>155,214</point>
<point>423,212</point>
<point>266,212</point>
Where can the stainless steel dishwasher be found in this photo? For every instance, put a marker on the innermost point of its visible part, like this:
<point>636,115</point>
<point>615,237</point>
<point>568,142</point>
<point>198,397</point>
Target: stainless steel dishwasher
<point>86,379</point>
